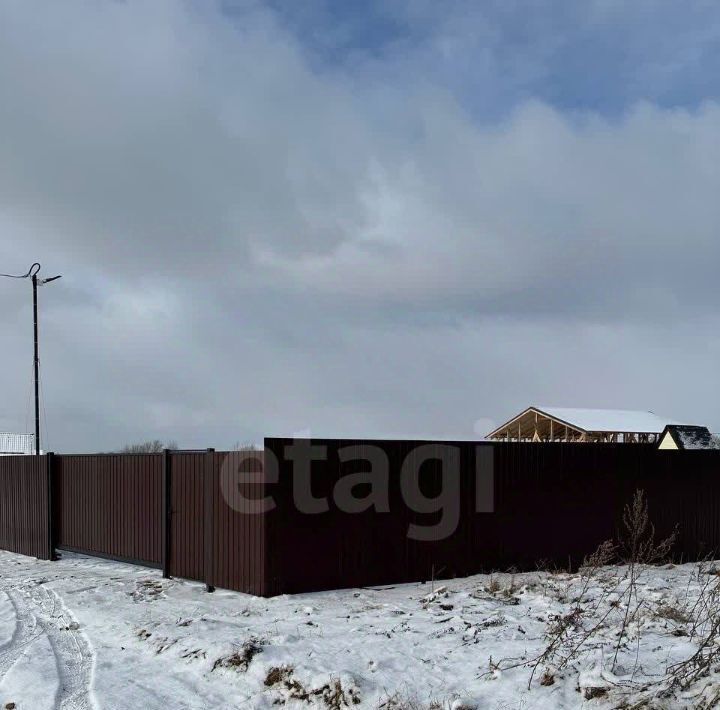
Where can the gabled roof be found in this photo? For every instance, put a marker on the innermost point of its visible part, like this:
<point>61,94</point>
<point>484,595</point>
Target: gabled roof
<point>596,423</point>
<point>689,437</point>
<point>609,420</point>
<point>17,443</point>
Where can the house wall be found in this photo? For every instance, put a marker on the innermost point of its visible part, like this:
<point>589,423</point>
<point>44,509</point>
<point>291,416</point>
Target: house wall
<point>667,442</point>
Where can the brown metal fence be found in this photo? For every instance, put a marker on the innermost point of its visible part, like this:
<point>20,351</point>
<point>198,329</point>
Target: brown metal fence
<point>552,504</point>
<point>24,505</point>
<point>187,521</point>
<point>109,505</point>
<point>193,515</point>
<point>214,537</point>
<point>237,549</point>
<point>162,510</point>
<point>167,511</point>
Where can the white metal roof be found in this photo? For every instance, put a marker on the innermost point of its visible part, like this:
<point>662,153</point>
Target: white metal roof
<point>17,443</point>
<point>620,420</point>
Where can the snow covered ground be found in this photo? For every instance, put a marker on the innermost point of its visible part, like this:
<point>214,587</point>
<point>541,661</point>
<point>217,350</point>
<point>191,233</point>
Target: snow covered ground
<point>85,633</point>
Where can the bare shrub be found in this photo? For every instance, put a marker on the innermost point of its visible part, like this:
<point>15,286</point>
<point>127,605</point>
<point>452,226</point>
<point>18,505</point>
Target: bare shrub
<point>638,547</point>
<point>706,659</point>
<point>604,594</point>
<point>567,633</point>
<point>564,644</point>
<point>493,586</point>
<point>502,592</point>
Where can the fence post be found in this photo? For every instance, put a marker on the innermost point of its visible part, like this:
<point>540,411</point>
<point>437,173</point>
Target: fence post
<point>49,470</point>
<point>208,518</point>
<point>166,511</point>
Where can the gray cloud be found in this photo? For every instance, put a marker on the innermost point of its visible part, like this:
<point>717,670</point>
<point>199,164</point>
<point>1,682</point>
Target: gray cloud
<point>252,244</point>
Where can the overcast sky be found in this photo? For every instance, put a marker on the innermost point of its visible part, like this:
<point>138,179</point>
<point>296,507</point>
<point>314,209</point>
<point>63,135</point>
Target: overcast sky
<point>374,219</point>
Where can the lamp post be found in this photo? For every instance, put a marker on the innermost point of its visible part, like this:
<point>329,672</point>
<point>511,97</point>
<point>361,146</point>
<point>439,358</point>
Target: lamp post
<point>32,274</point>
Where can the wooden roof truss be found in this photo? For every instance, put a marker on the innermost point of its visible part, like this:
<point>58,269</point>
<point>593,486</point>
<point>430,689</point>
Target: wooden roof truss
<point>536,425</point>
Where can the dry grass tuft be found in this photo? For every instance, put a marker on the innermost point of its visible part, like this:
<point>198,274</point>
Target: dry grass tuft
<point>673,613</point>
<point>278,675</point>
<point>332,694</point>
<point>409,701</point>
<point>590,693</point>
<point>241,659</point>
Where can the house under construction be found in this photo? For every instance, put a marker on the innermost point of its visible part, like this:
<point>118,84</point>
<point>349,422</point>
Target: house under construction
<point>589,425</point>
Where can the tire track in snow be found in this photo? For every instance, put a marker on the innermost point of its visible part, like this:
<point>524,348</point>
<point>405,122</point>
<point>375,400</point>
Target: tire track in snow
<point>73,653</point>
<point>26,631</point>
<point>40,611</point>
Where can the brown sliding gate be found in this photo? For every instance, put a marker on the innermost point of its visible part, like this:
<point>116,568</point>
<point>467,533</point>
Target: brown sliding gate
<point>109,505</point>
<point>159,510</point>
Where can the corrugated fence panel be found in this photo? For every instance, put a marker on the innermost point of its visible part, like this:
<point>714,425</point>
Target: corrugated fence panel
<point>237,521</point>
<point>335,547</point>
<point>24,505</point>
<point>110,505</point>
<point>553,504</point>
<point>238,547</point>
<point>217,532</point>
<point>187,547</point>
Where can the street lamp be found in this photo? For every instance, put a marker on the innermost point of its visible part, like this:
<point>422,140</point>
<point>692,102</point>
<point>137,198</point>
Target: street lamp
<point>33,275</point>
